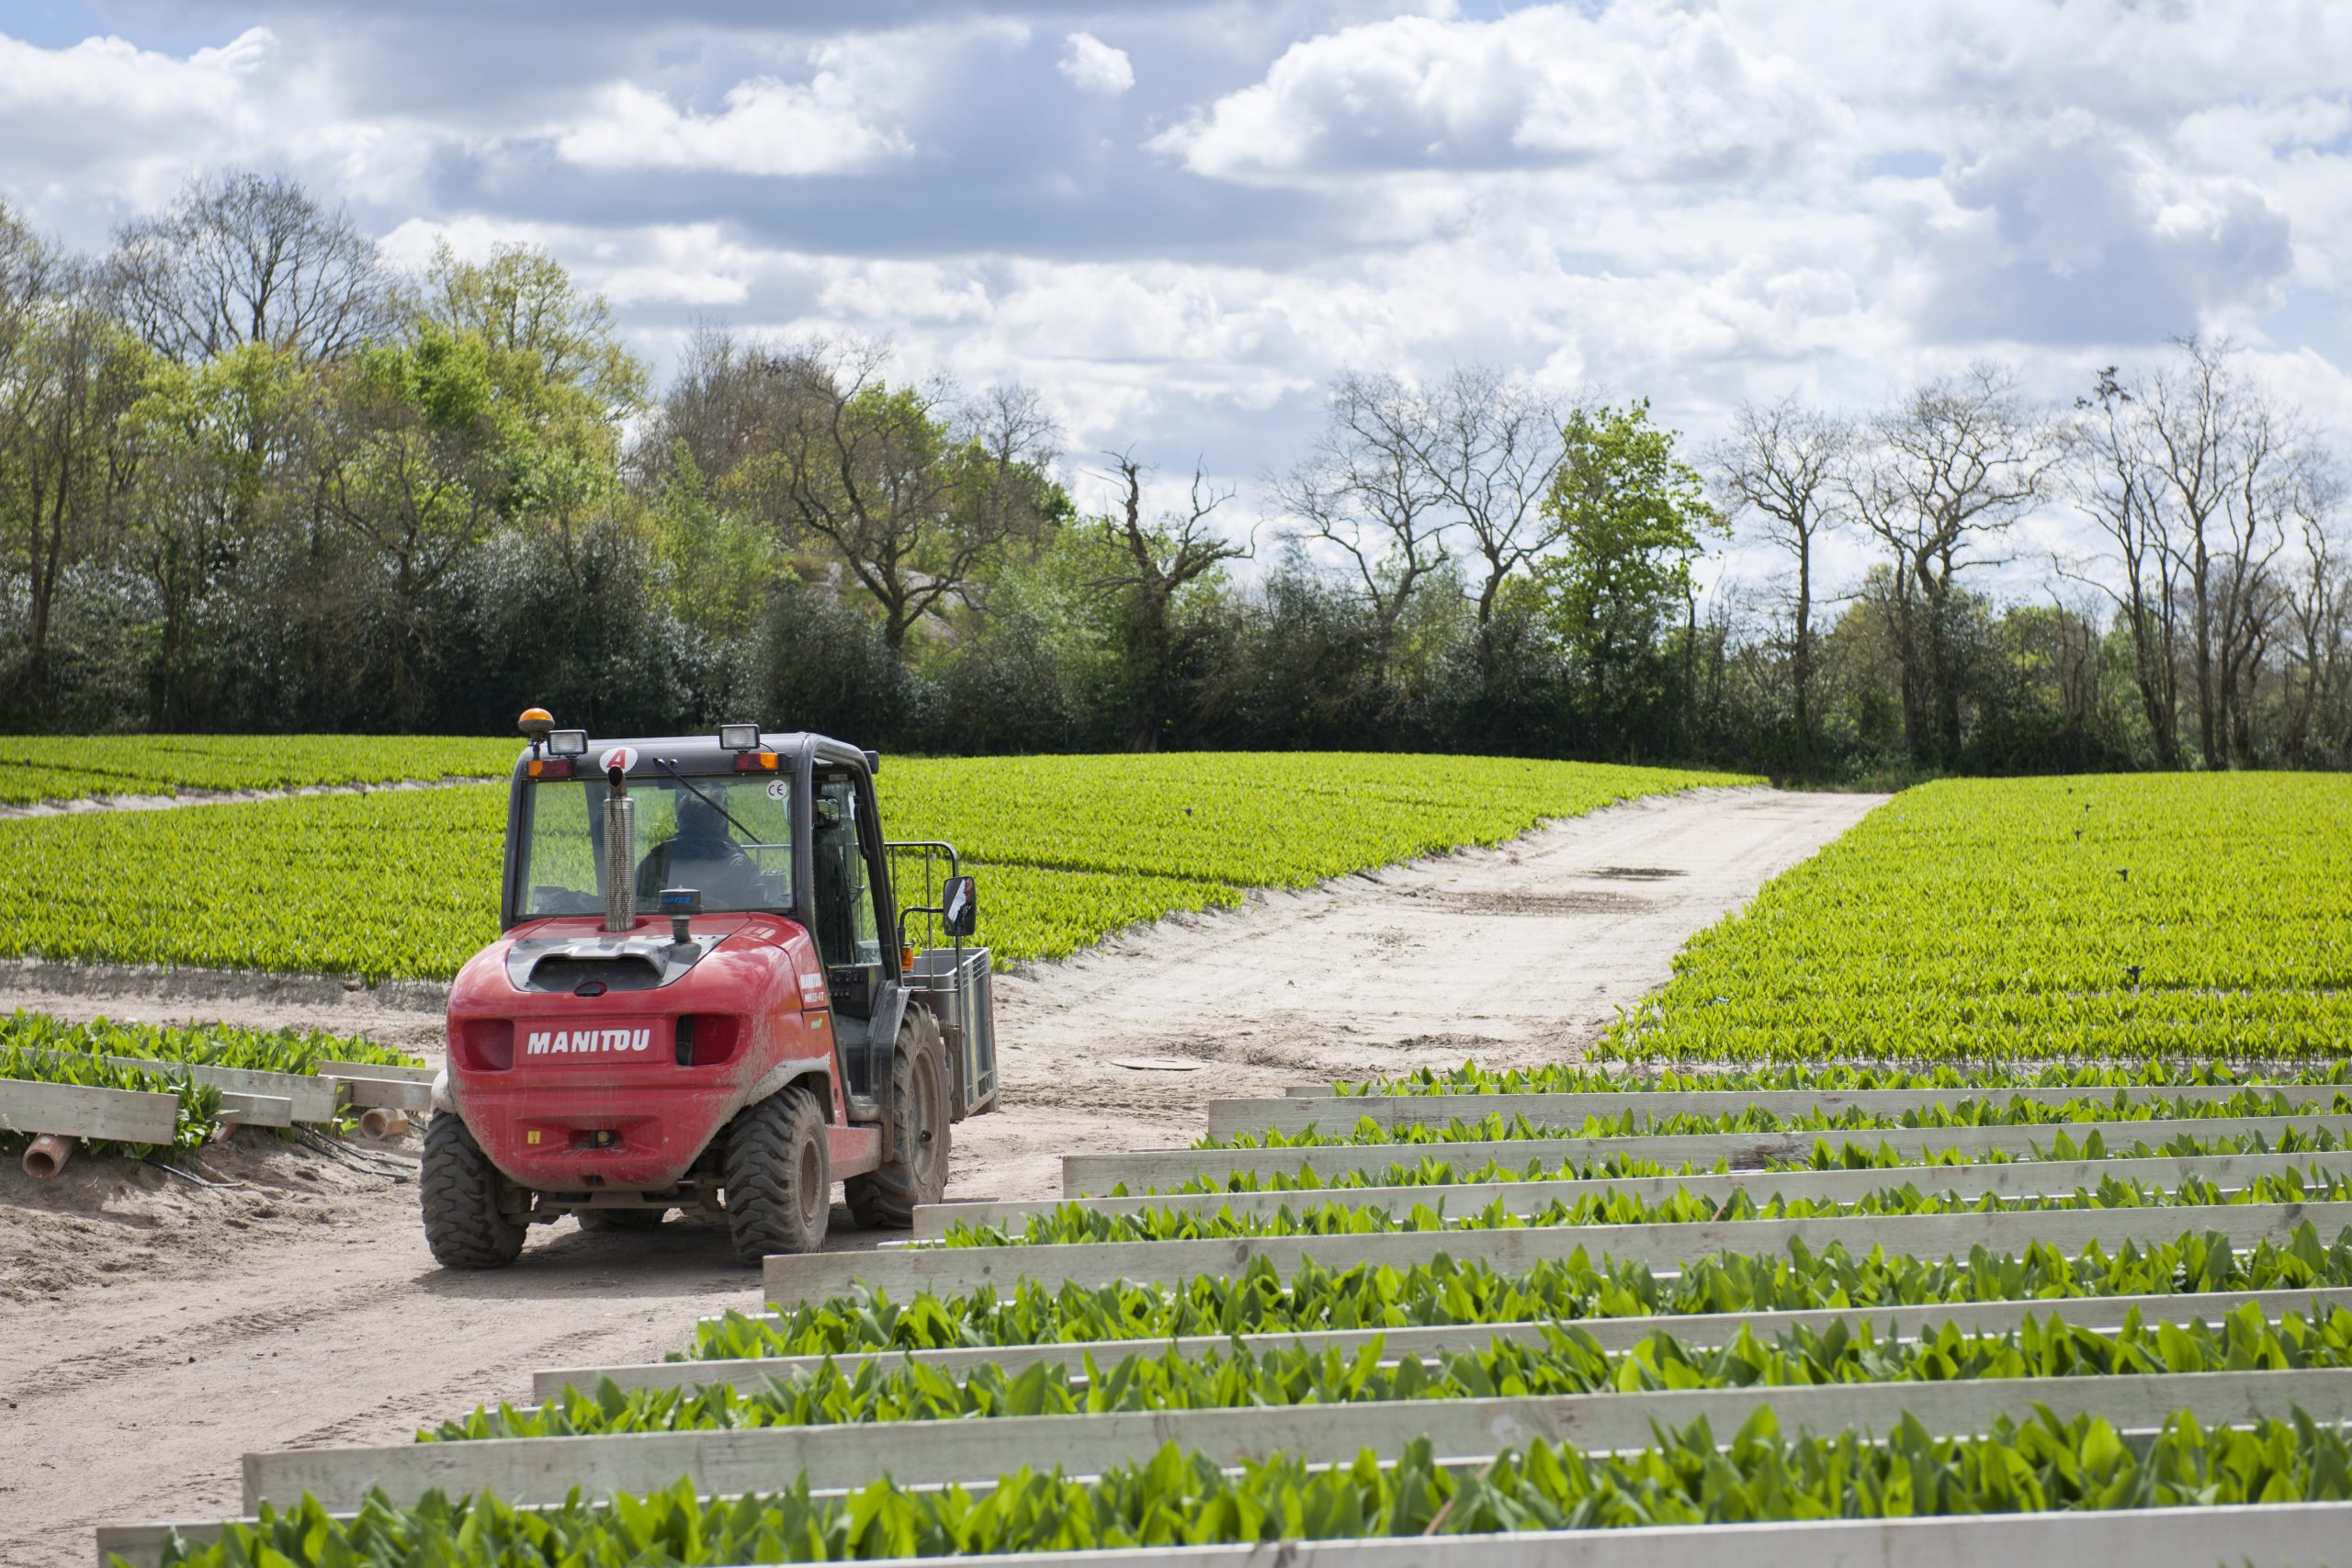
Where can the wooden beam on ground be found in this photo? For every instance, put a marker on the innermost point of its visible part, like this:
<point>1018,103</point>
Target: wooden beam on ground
<point>543,1470</point>
<point>255,1110</point>
<point>1692,1329</point>
<point>2016,1179</point>
<point>395,1094</point>
<point>1230,1118</point>
<point>336,1070</point>
<point>799,1278</point>
<point>74,1110</point>
<point>2149,1538</point>
<point>1146,1170</point>
<point>307,1098</point>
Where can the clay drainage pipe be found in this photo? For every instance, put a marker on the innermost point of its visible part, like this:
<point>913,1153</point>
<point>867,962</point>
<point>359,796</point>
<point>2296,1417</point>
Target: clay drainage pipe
<point>382,1122</point>
<point>46,1156</point>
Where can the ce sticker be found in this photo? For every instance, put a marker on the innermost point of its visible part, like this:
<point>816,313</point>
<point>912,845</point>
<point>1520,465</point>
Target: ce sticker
<point>779,789</point>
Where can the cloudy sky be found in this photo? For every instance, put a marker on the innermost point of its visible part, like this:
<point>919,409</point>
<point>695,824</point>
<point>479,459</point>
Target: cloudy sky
<point>1181,219</point>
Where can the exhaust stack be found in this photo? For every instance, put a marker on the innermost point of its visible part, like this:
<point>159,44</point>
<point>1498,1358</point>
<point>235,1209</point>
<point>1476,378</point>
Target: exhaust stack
<point>620,854</point>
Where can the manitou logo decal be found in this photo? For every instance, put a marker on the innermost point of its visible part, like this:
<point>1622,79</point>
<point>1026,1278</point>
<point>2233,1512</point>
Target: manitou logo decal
<point>587,1042</point>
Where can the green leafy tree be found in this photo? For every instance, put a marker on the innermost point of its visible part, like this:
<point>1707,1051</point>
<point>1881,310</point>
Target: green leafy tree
<point>1631,520</point>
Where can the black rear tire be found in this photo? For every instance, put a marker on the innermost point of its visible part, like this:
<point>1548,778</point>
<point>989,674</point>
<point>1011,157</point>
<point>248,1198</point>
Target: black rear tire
<point>778,1176</point>
<point>620,1219</point>
<point>921,1132</point>
<point>459,1188</point>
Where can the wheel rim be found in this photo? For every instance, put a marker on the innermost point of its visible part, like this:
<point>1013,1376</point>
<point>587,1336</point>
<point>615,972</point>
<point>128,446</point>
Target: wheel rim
<point>930,1149</point>
<point>810,1183</point>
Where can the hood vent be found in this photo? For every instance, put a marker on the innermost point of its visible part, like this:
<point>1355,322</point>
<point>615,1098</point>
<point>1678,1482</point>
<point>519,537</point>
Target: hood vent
<point>565,964</point>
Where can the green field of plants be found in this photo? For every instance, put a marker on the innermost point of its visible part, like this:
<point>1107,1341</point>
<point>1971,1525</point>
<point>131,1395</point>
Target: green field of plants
<point>1069,849</point>
<point>71,767</point>
<point>2199,914</point>
<point>1961,947</point>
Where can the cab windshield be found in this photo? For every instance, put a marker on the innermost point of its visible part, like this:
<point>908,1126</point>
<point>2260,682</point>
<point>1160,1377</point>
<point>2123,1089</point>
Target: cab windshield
<point>730,838</point>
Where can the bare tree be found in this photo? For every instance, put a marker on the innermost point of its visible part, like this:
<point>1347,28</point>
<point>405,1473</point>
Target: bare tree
<point>913,488</point>
<point>2111,473</point>
<point>1782,463</point>
<point>1164,557</point>
<point>243,258</point>
<point>1366,490</point>
<point>1942,477</point>
<point>2318,673</point>
<point>2232,465</point>
<point>1492,446</point>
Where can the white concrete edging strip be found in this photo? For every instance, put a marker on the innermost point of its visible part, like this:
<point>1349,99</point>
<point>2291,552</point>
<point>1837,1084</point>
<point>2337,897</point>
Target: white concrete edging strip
<point>78,1111</point>
<point>543,1469</point>
<point>1150,1169</point>
<point>2012,1180</point>
<point>1229,1117</point>
<point>796,1278</point>
<point>1691,1329</point>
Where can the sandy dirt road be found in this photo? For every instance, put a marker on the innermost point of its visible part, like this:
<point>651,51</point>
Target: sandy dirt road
<point>152,1331</point>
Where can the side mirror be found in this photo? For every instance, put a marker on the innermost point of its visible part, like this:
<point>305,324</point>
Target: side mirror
<point>960,907</point>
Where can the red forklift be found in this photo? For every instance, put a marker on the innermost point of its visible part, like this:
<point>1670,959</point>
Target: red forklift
<point>707,999</point>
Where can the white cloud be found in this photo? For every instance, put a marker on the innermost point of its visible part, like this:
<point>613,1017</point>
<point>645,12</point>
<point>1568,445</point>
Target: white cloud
<point>1095,67</point>
<point>768,127</point>
<point>1645,88</point>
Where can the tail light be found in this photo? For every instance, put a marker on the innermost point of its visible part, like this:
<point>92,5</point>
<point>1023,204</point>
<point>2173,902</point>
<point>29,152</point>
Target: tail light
<point>707,1039</point>
<point>486,1044</point>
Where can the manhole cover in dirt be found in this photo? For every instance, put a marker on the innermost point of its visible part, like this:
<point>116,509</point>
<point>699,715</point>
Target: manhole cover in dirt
<point>1637,873</point>
<point>1158,1063</point>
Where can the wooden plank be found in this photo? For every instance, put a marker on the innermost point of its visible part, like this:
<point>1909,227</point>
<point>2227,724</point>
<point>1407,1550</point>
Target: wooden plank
<point>1229,1118</point>
<point>396,1094</point>
<point>255,1110</point>
<point>331,1068</point>
<point>2011,1179</point>
<point>2284,1533</point>
<point>307,1098</point>
<point>74,1110</point>
<point>543,1470</point>
<point>1145,1170</point>
<point>795,1279</point>
<point>1694,1329</point>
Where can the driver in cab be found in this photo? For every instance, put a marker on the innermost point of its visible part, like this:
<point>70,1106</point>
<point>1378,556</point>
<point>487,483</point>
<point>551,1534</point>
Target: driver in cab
<point>700,855</point>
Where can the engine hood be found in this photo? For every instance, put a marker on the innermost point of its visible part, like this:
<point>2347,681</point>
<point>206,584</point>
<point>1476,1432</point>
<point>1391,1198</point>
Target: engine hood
<point>630,961</point>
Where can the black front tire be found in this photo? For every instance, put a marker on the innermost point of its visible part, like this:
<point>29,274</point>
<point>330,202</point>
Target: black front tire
<point>459,1188</point>
<point>778,1176</point>
<point>921,1132</point>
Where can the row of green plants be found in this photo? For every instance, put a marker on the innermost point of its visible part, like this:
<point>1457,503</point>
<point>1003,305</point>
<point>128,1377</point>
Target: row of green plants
<point>2200,916</point>
<point>1069,850</point>
<point>298,1051</point>
<point>44,1049</point>
<point>1575,1078</point>
<point>1567,1360</point>
<point>1263,1298</point>
<point>1989,1112</point>
<point>1453,1168</point>
<point>198,1120</point>
<point>71,767</point>
<point>1178,1499</point>
<point>1074,1222</point>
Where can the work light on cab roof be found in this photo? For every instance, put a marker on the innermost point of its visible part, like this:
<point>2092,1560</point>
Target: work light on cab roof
<point>697,1002</point>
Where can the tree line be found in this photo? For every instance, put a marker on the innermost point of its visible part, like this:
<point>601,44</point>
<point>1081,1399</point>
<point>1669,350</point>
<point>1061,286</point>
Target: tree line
<point>253,479</point>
